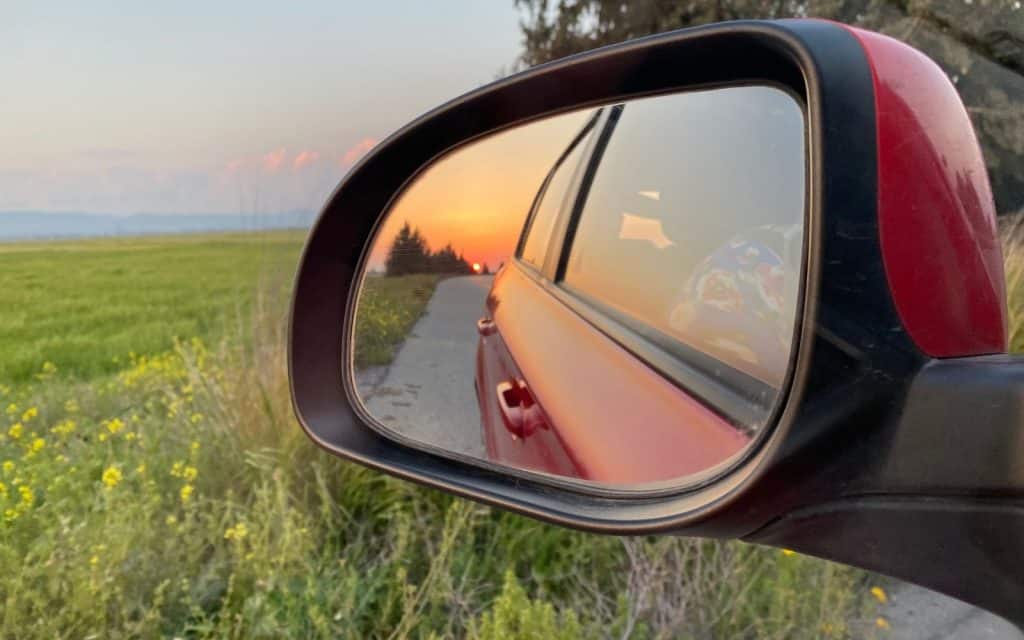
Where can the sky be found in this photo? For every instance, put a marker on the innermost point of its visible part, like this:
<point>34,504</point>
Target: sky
<point>227,107</point>
<point>478,196</point>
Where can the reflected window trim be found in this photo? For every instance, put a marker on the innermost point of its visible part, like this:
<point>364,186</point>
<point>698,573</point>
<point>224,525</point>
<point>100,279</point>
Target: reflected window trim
<point>726,390</point>
<point>554,242</point>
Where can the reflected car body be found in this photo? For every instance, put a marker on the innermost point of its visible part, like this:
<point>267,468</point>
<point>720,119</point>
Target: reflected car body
<point>584,400</point>
<point>559,395</point>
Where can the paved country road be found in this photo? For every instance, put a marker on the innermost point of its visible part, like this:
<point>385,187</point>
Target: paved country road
<point>919,614</point>
<point>426,393</point>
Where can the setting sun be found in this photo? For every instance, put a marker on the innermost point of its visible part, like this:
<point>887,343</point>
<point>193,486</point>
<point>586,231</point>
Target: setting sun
<point>476,267</point>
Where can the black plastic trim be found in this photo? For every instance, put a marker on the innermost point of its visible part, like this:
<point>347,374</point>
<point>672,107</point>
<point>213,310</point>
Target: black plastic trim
<point>849,462</point>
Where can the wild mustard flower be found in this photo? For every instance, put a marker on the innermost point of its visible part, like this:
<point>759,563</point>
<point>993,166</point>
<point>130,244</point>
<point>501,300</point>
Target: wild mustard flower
<point>879,594</point>
<point>178,469</point>
<point>788,553</point>
<point>111,477</point>
<point>237,532</point>
<point>171,521</point>
<point>131,436</point>
<point>186,493</point>
<point>37,445</point>
<point>189,473</point>
<point>11,409</point>
<point>64,427</point>
<point>882,623</point>
<point>30,413</point>
<point>194,447</point>
<point>114,425</point>
<point>141,469</point>
<point>61,458</point>
<point>16,430</point>
<point>28,498</point>
<point>8,467</point>
<point>3,490</point>
<point>196,418</point>
<point>94,560</point>
<point>10,515</point>
<point>102,437</point>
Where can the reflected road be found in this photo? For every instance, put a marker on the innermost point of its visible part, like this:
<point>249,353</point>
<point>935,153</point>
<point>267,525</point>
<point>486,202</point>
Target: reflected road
<point>426,393</point>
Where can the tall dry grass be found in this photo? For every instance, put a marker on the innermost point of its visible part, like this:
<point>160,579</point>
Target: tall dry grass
<point>221,520</point>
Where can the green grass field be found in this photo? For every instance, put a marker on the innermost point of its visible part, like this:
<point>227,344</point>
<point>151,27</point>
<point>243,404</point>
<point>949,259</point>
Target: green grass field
<point>171,494</point>
<point>85,305</point>
<point>388,309</point>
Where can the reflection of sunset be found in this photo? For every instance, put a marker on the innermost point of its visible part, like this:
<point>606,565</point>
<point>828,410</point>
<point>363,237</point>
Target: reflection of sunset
<point>477,198</point>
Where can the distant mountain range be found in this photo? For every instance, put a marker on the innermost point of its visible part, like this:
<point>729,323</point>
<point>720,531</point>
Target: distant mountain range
<point>33,225</point>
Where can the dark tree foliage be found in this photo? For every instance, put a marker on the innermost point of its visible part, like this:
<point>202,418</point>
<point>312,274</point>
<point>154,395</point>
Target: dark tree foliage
<point>553,30</point>
<point>410,254</point>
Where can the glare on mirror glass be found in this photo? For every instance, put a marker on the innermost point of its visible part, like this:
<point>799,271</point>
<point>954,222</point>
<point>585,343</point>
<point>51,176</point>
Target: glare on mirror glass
<point>607,296</point>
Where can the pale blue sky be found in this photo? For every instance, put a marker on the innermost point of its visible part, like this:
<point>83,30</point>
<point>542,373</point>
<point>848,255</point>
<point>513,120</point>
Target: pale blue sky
<point>123,107</point>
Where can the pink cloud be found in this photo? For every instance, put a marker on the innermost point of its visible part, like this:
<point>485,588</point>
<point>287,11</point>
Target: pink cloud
<point>357,151</point>
<point>234,165</point>
<point>272,161</point>
<point>304,159</point>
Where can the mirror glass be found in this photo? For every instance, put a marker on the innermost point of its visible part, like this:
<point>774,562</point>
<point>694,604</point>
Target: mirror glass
<point>608,295</point>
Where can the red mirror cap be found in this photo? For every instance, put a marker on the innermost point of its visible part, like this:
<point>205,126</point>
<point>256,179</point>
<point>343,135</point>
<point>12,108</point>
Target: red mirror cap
<point>936,215</point>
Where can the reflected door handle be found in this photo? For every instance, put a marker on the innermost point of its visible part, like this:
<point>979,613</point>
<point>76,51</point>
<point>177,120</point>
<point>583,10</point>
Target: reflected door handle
<point>518,411</point>
<point>510,406</point>
<point>486,327</point>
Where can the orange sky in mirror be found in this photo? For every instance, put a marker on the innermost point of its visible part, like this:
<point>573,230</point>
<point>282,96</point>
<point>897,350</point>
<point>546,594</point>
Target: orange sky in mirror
<point>478,197</point>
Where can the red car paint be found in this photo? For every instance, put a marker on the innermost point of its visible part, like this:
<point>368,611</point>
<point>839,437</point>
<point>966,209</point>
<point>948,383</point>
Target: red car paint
<point>594,410</point>
<point>938,230</point>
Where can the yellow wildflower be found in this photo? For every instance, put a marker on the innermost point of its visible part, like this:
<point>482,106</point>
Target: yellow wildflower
<point>178,469</point>
<point>30,413</point>
<point>102,437</point>
<point>111,477</point>
<point>186,493</point>
<point>788,552</point>
<point>113,426</point>
<point>196,418</point>
<point>61,458</point>
<point>3,490</point>
<point>171,520</point>
<point>16,430</point>
<point>37,445</point>
<point>237,532</point>
<point>12,409</point>
<point>10,514</point>
<point>8,466</point>
<point>71,406</point>
<point>64,427</point>
<point>189,473</point>
<point>93,561</point>
<point>194,446</point>
<point>131,435</point>
<point>27,497</point>
<point>881,623</point>
<point>141,469</point>
<point>879,594</point>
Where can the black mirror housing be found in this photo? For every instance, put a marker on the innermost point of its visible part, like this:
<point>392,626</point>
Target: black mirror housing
<point>870,458</point>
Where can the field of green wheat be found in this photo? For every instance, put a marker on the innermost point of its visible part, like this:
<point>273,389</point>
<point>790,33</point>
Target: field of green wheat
<point>153,483</point>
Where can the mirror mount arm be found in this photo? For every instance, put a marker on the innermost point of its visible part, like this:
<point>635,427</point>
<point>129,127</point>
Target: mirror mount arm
<point>944,495</point>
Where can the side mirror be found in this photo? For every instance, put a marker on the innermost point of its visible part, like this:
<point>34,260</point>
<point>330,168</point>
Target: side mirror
<point>749,287</point>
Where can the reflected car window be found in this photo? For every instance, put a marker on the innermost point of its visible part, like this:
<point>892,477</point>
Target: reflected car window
<point>552,200</point>
<point>692,225</point>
